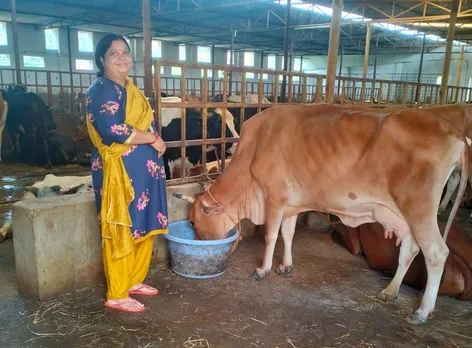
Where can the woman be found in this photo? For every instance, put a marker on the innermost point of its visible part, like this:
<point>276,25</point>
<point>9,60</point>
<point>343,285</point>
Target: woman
<point>128,174</point>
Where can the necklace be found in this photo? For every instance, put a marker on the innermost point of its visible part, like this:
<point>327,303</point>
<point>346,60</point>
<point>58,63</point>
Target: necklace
<point>111,78</point>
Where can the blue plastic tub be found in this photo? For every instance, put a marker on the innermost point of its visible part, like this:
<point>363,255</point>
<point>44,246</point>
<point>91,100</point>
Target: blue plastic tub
<point>198,259</point>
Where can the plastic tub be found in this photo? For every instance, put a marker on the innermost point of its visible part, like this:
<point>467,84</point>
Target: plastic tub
<point>198,259</point>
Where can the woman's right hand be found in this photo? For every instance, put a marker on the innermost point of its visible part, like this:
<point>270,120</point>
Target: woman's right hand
<point>159,146</point>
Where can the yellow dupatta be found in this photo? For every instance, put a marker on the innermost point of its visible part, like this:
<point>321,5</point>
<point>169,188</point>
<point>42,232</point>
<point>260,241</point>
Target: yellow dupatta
<point>118,191</point>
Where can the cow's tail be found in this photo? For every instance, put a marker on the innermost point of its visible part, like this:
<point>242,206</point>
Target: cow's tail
<point>462,186</point>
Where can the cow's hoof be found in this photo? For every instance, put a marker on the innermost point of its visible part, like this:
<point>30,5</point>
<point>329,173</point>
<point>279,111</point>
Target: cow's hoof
<point>415,319</point>
<point>284,270</point>
<point>385,296</point>
<point>259,274</point>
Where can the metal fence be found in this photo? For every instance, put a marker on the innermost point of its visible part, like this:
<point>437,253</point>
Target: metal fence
<point>63,91</point>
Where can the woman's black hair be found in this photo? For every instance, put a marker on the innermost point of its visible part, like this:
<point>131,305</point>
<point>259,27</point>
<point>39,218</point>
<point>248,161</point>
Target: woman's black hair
<point>102,48</point>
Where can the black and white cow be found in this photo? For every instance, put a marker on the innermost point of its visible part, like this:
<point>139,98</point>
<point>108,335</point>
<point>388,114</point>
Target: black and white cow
<point>194,122</point>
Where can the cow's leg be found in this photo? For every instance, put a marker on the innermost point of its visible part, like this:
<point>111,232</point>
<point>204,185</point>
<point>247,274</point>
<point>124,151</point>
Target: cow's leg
<point>1,141</point>
<point>408,251</point>
<point>452,184</point>
<point>273,221</point>
<point>288,230</point>
<point>435,253</point>
<point>14,144</point>
<point>46,150</point>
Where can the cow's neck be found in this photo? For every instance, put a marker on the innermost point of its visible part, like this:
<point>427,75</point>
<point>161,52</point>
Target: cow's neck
<point>237,191</point>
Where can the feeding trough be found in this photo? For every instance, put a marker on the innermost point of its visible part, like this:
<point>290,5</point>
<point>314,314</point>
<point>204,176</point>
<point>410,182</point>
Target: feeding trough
<point>199,259</point>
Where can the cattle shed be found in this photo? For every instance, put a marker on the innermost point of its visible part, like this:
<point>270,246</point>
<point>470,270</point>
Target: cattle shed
<point>212,65</point>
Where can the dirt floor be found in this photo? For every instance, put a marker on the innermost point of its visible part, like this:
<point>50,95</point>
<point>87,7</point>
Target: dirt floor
<point>328,301</point>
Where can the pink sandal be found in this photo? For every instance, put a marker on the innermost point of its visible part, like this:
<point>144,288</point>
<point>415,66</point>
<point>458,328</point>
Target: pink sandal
<point>144,290</point>
<point>127,306</point>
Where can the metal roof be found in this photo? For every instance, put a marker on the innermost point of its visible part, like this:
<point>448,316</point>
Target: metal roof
<point>259,24</point>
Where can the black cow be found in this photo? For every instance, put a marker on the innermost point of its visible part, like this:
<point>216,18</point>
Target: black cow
<point>248,113</point>
<point>30,119</point>
<point>62,150</point>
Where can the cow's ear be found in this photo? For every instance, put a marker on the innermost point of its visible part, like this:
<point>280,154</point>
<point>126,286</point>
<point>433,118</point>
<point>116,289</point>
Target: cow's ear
<point>214,210</point>
<point>211,210</point>
<point>73,190</point>
<point>55,188</point>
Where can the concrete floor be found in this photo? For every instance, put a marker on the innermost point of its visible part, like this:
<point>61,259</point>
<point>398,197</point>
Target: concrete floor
<point>329,301</point>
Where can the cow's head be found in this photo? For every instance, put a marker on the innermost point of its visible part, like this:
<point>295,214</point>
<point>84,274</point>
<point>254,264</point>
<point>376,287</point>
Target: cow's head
<point>208,218</point>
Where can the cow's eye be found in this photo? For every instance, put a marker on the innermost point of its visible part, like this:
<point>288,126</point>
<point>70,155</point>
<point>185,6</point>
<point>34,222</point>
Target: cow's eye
<point>192,223</point>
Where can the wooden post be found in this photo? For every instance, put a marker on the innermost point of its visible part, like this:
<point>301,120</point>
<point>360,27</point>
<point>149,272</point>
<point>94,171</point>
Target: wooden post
<point>147,48</point>
<point>366,60</point>
<point>333,50</point>
<point>16,45</point>
<point>447,57</point>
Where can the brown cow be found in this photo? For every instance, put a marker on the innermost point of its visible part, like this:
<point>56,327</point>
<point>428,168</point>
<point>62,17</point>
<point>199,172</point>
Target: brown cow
<point>363,166</point>
<point>382,255</point>
<point>461,116</point>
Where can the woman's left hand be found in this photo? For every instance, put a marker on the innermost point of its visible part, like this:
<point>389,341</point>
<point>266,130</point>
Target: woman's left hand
<point>159,145</point>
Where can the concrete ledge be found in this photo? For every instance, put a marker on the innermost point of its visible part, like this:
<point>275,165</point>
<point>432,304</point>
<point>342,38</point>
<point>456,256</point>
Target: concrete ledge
<point>57,245</point>
<point>57,241</point>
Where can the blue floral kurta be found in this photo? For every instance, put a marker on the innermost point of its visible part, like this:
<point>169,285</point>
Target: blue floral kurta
<point>106,106</point>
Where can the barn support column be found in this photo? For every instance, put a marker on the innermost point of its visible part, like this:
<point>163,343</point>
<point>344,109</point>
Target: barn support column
<point>374,75</point>
<point>366,60</point>
<point>420,70</point>
<point>69,51</point>
<point>214,72</point>
<point>459,71</point>
<point>231,53</point>
<point>300,79</point>
<point>447,57</point>
<point>16,46</point>
<point>333,50</point>
<point>147,48</point>
<point>340,68</point>
<point>376,58</point>
<point>286,43</point>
